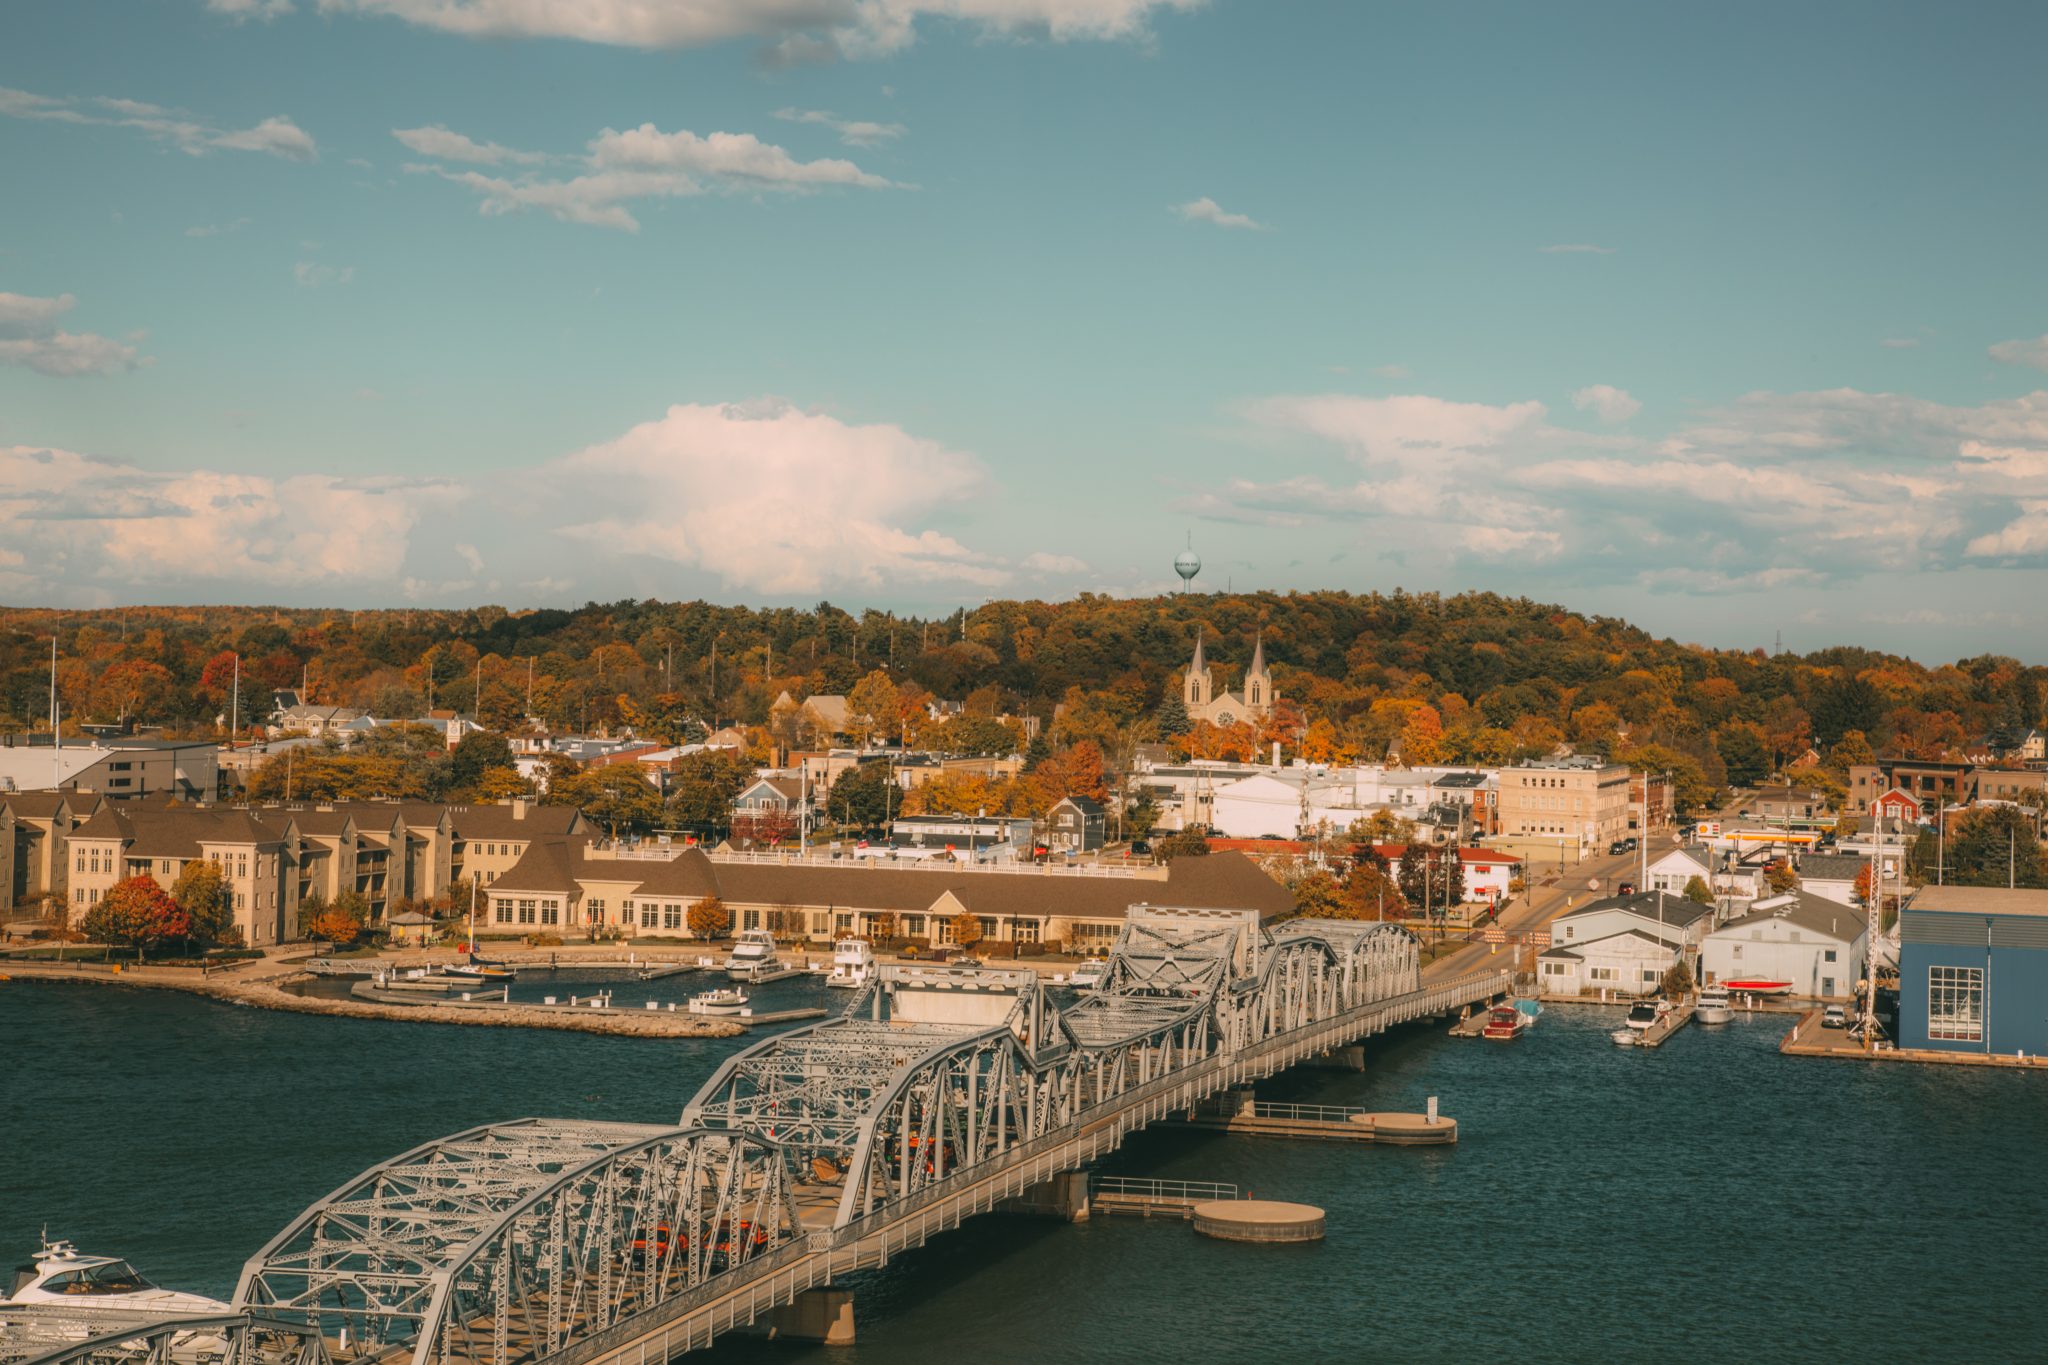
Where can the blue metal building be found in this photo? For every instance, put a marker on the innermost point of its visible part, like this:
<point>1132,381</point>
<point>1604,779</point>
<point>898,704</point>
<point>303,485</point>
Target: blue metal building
<point>1973,970</point>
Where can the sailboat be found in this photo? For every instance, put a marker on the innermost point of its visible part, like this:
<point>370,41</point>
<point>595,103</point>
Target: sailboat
<point>475,967</point>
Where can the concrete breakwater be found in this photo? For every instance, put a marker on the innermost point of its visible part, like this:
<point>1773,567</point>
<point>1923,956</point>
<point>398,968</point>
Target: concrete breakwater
<point>269,993</point>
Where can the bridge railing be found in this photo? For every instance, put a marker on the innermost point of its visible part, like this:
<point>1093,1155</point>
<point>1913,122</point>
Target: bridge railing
<point>1136,1187</point>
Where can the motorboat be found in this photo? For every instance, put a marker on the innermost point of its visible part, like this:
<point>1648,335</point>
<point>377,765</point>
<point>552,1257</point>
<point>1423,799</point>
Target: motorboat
<point>1713,1007</point>
<point>853,962</point>
<point>1088,973</point>
<point>1505,1022</point>
<point>753,955</point>
<point>1644,1014</point>
<point>1626,1037</point>
<point>1757,985</point>
<point>727,1001</point>
<point>60,1274</point>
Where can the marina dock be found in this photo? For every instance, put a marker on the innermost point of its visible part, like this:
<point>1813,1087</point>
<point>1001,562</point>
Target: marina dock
<point>497,998</point>
<point>1238,1112</point>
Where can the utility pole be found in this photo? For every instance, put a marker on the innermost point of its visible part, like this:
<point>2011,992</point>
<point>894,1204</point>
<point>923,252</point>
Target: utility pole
<point>235,708</point>
<point>529,684</point>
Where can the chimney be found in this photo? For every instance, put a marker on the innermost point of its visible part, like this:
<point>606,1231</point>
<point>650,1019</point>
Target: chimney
<point>518,808</point>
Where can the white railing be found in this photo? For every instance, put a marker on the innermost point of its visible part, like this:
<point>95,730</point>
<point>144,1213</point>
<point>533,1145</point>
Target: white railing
<point>1131,1187</point>
<point>936,863</point>
<point>1318,1113</point>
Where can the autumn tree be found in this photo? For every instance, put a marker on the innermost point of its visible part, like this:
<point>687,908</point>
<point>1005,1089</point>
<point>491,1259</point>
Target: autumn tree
<point>1697,891</point>
<point>335,925</point>
<point>202,893</point>
<point>884,927</point>
<point>137,913</point>
<point>1370,891</point>
<point>871,705</point>
<point>708,918</point>
<point>615,796</point>
<point>864,796</point>
<point>1182,843</point>
<point>966,929</point>
<point>1319,895</point>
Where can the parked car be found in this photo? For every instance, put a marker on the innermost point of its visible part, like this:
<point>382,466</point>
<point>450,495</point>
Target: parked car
<point>1834,1016</point>
<point>1618,846</point>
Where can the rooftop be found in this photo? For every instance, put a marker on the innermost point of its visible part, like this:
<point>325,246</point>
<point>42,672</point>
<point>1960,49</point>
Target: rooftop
<point>1980,900</point>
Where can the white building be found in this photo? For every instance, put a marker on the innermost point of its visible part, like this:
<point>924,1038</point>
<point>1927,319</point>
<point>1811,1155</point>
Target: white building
<point>1815,944</point>
<point>1674,871</point>
<point>1831,876</point>
<point>1624,964</point>
<point>1668,917</point>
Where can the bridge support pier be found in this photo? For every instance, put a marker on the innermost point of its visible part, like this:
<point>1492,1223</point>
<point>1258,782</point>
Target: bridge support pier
<point>1349,1058</point>
<point>1065,1197</point>
<point>821,1315</point>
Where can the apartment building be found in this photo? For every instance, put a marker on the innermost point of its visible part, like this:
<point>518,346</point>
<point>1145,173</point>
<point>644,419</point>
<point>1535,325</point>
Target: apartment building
<point>1584,802</point>
<point>39,827</point>
<point>255,856</point>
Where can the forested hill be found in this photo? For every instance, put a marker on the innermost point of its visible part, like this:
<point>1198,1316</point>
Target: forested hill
<point>1468,677</point>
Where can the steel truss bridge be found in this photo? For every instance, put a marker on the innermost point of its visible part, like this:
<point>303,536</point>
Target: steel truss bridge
<point>819,1152</point>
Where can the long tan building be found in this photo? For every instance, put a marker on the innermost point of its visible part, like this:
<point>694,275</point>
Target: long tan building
<point>576,886</point>
<point>253,854</point>
<point>1585,804</point>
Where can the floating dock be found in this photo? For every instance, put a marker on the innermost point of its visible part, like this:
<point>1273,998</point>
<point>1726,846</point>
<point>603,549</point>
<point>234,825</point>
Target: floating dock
<point>1238,1112</point>
<point>1258,1220</point>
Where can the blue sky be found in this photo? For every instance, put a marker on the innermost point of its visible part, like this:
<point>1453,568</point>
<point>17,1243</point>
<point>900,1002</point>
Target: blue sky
<point>1731,320</point>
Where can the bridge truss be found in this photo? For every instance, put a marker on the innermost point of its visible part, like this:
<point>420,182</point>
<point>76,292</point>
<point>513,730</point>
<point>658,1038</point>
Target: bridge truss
<point>818,1150</point>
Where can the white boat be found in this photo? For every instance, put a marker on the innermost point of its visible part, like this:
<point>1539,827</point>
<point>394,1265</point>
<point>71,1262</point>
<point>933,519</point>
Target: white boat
<point>853,962</point>
<point>1712,1008</point>
<point>1644,1014</point>
<point>1625,1036</point>
<point>753,955</point>
<point>59,1274</point>
<point>1089,973</point>
<point>718,1002</point>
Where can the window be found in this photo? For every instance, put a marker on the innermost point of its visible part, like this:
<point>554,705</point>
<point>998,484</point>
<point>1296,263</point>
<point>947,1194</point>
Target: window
<point>842,924</point>
<point>1650,976</point>
<point>526,912</point>
<point>504,911</point>
<point>1828,956</point>
<point>650,914</point>
<point>593,911</point>
<point>550,912</point>
<point>1955,1003</point>
<point>1602,974</point>
<point>672,915</point>
<point>913,926</point>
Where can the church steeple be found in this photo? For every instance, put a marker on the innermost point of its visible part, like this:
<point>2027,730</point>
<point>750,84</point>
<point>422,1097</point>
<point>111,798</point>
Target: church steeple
<point>1258,689</point>
<point>1258,668</point>
<point>1195,689</point>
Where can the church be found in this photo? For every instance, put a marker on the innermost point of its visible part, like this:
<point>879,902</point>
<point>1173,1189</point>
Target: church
<point>1198,690</point>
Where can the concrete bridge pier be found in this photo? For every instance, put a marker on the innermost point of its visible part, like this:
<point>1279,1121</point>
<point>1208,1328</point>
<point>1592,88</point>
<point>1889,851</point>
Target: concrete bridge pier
<point>1348,1058</point>
<point>821,1315</point>
<point>1065,1197</point>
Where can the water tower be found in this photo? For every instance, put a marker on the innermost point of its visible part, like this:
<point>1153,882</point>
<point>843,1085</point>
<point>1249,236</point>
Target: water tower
<point>1187,564</point>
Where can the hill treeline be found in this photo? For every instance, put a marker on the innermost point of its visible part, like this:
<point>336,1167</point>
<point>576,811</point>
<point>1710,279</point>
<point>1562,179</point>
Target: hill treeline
<point>1474,677</point>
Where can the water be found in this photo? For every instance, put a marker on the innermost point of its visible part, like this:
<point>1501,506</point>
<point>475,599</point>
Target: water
<point>1709,1198</point>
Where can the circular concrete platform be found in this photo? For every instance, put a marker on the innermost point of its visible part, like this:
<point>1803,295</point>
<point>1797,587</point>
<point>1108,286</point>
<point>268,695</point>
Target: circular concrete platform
<point>1259,1220</point>
<point>1413,1130</point>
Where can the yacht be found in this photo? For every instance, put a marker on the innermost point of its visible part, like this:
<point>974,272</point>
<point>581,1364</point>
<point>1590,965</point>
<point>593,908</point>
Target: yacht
<point>729,1001</point>
<point>753,955</point>
<point>853,962</point>
<point>1712,1007</point>
<point>1645,1013</point>
<point>1088,973</point>
<point>59,1274</point>
<point>1505,1022</point>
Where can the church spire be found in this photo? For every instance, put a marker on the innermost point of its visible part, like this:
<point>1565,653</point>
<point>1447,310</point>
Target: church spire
<point>1258,657</point>
<point>1200,663</point>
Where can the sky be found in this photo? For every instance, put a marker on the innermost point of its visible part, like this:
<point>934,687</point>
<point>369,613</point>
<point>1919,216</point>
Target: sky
<point>1731,320</point>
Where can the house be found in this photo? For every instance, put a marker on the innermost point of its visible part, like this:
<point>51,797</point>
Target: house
<point>1814,943</point>
<point>770,795</point>
<point>412,930</point>
<point>1578,803</point>
<point>39,833</point>
<point>1723,873</point>
<point>305,719</point>
<point>1624,964</point>
<point>1973,970</point>
<point>1076,824</point>
<point>1667,917</point>
<point>1787,805</point>
<point>1831,876</point>
<point>579,885</point>
<point>1486,871</point>
<point>117,767</point>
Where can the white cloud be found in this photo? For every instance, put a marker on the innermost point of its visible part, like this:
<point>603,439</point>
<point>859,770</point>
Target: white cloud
<point>1577,249</point>
<point>645,163</point>
<point>277,136</point>
<point>447,145</point>
<point>727,489</point>
<point>79,519</point>
<point>1769,492</point>
<point>1606,402</point>
<point>470,556</point>
<point>1207,210</point>
<point>265,10</point>
<point>800,29</point>
<point>313,275</point>
<point>738,158</point>
<point>1046,563</point>
<point>217,229</point>
<point>853,132</point>
<point>1899,343</point>
<point>2034,353</point>
<point>1393,371</point>
<point>30,337</point>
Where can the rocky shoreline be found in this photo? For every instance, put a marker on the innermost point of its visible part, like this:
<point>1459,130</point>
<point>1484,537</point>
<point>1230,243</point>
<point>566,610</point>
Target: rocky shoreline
<point>269,993</point>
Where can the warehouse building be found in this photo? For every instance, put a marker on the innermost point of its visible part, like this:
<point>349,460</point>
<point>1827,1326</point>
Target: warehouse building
<point>1973,970</point>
